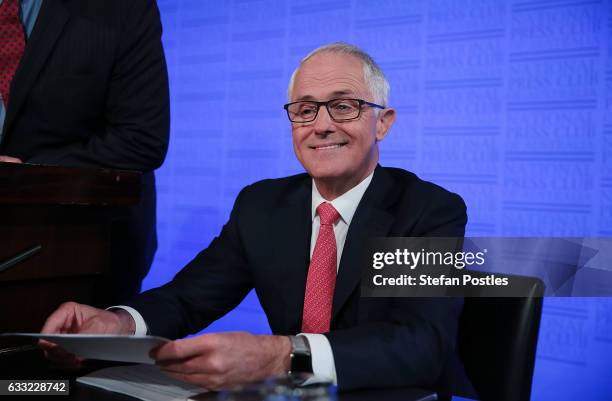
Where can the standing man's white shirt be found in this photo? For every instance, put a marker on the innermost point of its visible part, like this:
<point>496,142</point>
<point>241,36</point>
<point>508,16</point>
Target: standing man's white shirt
<point>323,365</point>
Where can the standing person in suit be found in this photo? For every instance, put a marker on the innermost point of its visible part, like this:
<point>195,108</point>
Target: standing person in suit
<point>296,240</point>
<point>84,83</point>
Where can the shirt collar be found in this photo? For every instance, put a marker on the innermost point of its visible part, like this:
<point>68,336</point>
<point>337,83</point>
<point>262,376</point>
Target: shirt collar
<point>345,204</point>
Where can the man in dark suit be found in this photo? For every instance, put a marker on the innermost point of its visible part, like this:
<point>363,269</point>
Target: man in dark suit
<point>296,240</point>
<point>91,90</point>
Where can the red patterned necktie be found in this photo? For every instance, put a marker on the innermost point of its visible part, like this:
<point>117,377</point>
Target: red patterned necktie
<point>12,45</point>
<point>321,279</point>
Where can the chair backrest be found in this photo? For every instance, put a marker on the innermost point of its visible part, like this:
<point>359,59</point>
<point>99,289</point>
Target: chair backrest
<point>497,343</point>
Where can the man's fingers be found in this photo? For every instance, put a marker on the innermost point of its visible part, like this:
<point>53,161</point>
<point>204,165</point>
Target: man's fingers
<point>72,317</point>
<point>60,357</point>
<point>183,349</point>
<point>44,344</point>
<point>190,366</point>
<point>66,319</point>
<point>54,351</point>
<point>9,159</point>
<point>55,323</point>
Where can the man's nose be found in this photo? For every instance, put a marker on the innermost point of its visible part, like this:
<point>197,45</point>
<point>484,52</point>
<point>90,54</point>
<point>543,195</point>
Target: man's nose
<point>323,124</point>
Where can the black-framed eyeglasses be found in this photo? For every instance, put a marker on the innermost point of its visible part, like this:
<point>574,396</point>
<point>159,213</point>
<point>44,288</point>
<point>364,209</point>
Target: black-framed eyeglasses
<point>340,110</point>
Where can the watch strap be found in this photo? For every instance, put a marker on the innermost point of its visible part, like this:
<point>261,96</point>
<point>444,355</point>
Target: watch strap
<point>301,358</point>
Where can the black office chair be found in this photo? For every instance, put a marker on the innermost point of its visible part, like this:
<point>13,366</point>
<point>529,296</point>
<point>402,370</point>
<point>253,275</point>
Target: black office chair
<point>497,342</point>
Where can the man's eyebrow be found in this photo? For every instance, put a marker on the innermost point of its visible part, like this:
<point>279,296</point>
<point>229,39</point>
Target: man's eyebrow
<point>333,95</point>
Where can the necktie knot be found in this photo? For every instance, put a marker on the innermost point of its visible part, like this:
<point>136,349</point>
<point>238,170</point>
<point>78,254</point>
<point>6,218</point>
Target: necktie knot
<point>327,214</point>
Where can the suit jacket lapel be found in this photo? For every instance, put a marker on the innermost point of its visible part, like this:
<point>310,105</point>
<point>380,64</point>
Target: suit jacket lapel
<point>372,219</point>
<point>49,25</point>
<point>295,222</point>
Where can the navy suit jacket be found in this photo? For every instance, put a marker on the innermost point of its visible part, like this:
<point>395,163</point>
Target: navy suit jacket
<point>376,342</point>
<point>91,90</point>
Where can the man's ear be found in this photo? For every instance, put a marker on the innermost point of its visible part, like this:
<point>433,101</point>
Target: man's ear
<point>384,121</point>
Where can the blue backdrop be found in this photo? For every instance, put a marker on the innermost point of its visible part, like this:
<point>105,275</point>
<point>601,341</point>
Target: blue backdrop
<point>508,103</point>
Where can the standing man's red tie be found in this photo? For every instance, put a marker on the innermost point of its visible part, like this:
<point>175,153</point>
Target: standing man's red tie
<point>321,280</point>
<point>12,45</point>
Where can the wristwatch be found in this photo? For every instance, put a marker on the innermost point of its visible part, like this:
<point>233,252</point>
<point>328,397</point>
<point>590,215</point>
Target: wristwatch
<point>301,359</point>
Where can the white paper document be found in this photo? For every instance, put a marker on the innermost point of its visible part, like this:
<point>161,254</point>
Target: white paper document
<point>145,382</point>
<point>106,347</point>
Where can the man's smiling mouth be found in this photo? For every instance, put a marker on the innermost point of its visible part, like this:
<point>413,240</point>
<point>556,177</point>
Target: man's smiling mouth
<point>328,146</point>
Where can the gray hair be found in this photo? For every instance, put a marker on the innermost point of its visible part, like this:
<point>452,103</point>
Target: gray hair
<point>372,74</point>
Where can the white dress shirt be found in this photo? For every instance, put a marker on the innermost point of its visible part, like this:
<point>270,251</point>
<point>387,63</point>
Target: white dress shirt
<point>323,365</point>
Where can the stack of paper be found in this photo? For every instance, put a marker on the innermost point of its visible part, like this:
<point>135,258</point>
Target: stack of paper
<point>145,382</point>
<point>105,347</point>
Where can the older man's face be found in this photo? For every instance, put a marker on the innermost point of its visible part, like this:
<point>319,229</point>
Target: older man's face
<point>331,150</point>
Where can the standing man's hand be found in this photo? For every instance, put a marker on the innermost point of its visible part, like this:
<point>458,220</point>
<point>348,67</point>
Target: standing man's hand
<point>9,159</point>
<point>219,360</point>
<point>73,318</point>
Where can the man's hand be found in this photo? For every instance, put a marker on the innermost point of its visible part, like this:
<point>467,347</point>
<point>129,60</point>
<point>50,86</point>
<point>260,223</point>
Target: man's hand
<point>219,360</point>
<point>76,318</point>
<point>9,159</point>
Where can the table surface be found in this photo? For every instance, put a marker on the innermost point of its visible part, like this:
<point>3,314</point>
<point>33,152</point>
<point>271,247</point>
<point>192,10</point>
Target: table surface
<point>81,392</point>
<point>33,365</point>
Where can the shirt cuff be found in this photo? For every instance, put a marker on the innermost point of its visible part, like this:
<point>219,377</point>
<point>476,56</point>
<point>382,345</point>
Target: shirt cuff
<point>139,323</point>
<point>323,365</point>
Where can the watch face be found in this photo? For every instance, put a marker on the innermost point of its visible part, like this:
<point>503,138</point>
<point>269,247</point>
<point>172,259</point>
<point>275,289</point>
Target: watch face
<point>301,363</point>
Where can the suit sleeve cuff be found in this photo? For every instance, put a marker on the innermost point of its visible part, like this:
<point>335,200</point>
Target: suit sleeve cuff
<point>141,326</point>
<point>323,365</point>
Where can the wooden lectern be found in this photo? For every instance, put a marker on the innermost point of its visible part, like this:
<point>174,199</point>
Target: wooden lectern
<point>55,237</point>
